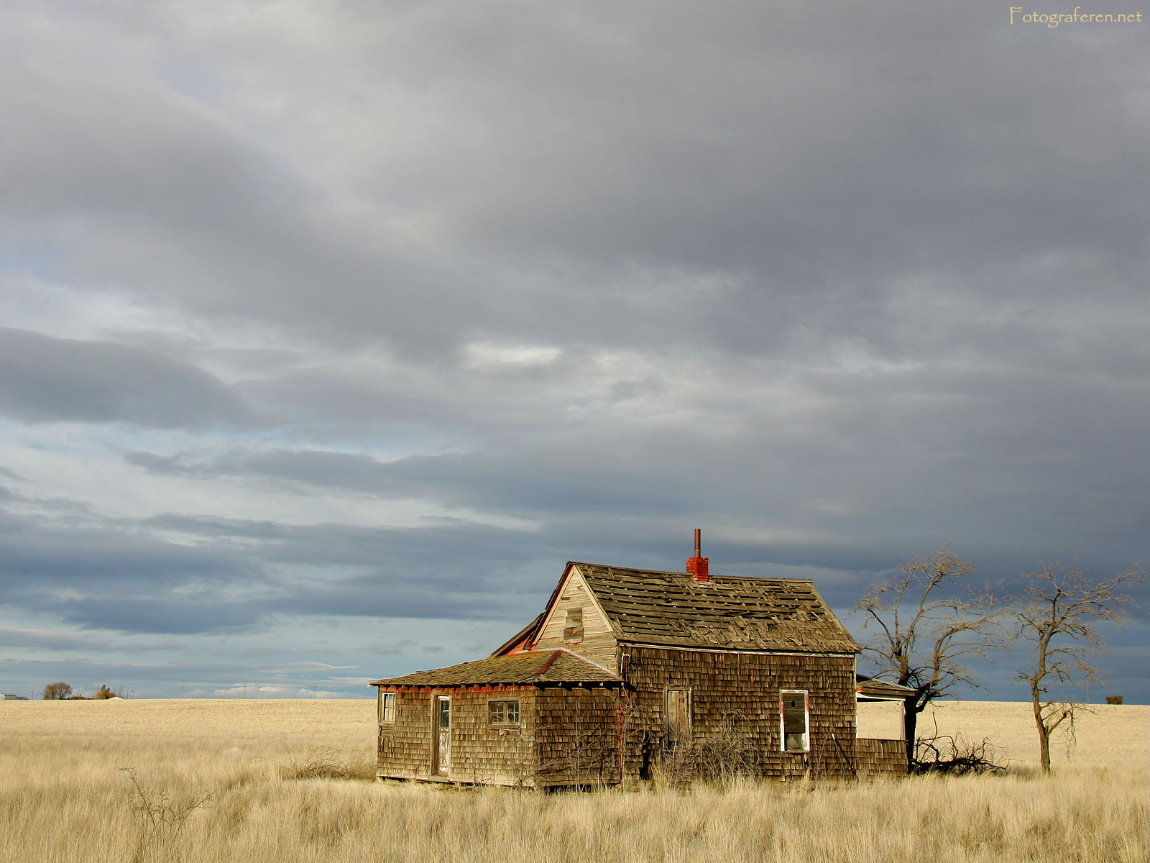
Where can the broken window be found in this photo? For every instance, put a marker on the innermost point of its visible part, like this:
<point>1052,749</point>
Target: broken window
<point>573,626</point>
<point>386,707</point>
<point>795,720</point>
<point>503,712</point>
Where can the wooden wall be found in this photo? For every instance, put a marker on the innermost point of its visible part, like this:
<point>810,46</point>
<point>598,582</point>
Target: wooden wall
<point>480,753</point>
<point>881,757</point>
<point>735,711</point>
<point>569,735</point>
<point>578,736</point>
<point>597,642</point>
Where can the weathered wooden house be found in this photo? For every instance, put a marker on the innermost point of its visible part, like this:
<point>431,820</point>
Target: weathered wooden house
<point>629,671</point>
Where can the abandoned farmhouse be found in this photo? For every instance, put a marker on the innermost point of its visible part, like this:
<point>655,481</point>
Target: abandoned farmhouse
<point>630,671</point>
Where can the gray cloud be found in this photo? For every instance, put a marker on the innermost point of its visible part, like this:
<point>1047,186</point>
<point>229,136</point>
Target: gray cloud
<point>386,310</point>
<point>44,379</point>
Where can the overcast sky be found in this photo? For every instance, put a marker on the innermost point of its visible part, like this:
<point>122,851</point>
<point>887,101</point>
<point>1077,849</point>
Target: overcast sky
<point>331,331</point>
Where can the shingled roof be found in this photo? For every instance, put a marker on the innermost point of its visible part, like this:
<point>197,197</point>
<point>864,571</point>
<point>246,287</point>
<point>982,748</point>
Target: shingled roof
<point>551,666</point>
<point>674,609</point>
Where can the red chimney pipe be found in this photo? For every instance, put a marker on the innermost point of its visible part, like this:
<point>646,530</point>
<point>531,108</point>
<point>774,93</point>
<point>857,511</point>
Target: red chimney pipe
<point>699,567</point>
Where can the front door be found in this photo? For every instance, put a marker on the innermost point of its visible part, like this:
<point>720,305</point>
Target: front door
<point>441,736</point>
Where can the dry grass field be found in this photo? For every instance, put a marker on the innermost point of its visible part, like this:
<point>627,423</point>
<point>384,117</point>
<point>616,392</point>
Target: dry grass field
<point>237,781</point>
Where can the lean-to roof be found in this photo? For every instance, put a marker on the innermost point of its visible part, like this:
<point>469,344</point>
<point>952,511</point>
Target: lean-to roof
<point>869,689</point>
<point>547,667</point>
<point>673,609</point>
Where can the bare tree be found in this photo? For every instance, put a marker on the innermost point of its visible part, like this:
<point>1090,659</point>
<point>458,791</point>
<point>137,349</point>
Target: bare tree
<point>929,617</point>
<point>1058,615</point>
<point>57,691</point>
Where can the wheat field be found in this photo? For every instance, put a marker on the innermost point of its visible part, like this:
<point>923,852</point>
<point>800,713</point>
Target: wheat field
<point>198,781</point>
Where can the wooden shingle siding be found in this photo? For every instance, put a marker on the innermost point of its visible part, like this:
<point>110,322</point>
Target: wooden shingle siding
<point>881,757</point>
<point>481,753</point>
<point>735,700</point>
<point>578,734</point>
<point>597,641</point>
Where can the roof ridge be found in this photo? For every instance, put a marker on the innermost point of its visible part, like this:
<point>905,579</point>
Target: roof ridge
<point>686,574</point>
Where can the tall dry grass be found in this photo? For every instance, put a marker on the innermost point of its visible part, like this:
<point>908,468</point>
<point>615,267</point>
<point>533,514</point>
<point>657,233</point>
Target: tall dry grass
<point>227,774</point>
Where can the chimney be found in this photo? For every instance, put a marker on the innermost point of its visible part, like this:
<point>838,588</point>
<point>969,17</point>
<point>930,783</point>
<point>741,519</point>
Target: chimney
<point>699,567</point>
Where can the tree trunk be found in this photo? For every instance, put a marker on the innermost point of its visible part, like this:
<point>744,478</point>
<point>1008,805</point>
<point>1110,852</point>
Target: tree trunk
<point>910,711</point>
<point>1043,732</point>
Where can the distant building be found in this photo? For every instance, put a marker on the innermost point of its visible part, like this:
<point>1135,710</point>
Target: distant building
<point>8,696</point>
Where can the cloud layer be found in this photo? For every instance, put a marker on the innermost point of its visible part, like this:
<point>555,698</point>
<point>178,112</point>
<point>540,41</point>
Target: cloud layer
<point>333,330</point>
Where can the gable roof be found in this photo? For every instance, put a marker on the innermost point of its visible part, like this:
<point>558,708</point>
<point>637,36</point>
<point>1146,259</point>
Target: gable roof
<point>726,612</point>
<point>551,666</point>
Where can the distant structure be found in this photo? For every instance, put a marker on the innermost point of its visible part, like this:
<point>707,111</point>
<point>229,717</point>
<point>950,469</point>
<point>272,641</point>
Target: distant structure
<point>8,696</point>
<point>630,671</point>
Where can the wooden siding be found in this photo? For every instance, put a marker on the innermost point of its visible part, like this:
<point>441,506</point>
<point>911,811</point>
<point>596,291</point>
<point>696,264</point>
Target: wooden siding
<point>570,734</point>
<point>735,705</point>
<point>480,752</point>
<point>881,757</point>
<point>597,643</point>
<point>578,736</point>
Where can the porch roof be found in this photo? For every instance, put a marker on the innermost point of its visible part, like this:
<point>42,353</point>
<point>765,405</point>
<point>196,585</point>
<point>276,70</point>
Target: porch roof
<point>545,667</point>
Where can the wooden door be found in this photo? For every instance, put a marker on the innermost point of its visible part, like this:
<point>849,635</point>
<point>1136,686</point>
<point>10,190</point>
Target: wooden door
<point>678,717</point>
<point>441,736</point>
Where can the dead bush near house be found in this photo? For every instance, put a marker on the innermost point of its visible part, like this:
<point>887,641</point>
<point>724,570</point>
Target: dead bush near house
<point>954,755</point>
<point>722,757</point>
<point>326,763</point>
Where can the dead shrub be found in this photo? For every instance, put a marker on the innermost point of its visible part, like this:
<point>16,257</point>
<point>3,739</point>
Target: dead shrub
<point>162,816</point>
<point>955,756</point>
<point>721,757</point>
<point>326,763</point>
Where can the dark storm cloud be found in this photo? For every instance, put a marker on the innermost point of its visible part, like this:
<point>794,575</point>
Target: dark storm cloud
<point>170,615</point>
<point>810,156</point>
<point>44,379</point>
<point>39,550</point>
<point>928,454</point>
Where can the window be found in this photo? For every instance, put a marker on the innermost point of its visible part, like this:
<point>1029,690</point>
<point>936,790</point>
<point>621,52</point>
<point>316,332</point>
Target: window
<point>795,718</point>
<point>503,712</point>
<point>386,707</point>
<point>573,626</point>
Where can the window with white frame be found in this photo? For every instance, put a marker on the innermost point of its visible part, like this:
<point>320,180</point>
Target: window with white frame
<point>794,710</point>
<point>503,712</point>
<point>386,707</point>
